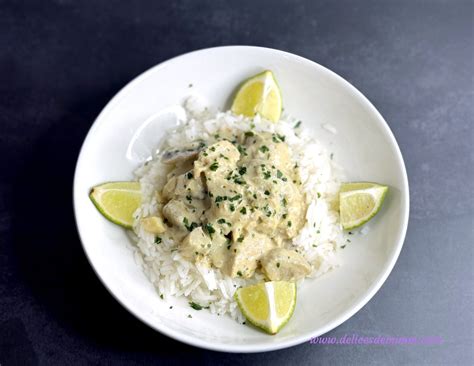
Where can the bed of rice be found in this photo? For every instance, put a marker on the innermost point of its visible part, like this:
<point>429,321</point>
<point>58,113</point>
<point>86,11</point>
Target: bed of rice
<point>318,240</point>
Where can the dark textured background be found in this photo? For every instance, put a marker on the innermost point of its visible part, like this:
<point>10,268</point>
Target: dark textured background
<point>61,61</point>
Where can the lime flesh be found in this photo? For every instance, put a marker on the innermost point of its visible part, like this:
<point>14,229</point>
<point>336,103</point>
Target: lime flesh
<point>359,202</point>
<point>259,94</point>
<point>268,305</point>
<point>117,201</point>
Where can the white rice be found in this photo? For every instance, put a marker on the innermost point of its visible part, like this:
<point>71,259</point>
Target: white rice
<point>318,240</point>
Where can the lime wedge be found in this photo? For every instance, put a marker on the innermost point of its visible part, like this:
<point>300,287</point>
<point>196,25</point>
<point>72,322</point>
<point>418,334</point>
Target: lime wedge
<point>267,305</point>
<point>359,202</point>
<point>117,201</point>
<point>259,94</point>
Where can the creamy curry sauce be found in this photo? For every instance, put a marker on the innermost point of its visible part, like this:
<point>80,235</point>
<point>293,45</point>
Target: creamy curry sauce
<point>233,204</point>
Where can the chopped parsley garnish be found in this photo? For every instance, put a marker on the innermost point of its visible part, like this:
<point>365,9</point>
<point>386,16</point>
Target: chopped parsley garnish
<point>158,240</point>
<point>298,124</point>
<point>240,239</point>
<point>220,199</point>
<point>196,306</point>
<point>201,145</point>
<point>278,265</point>
<point>189,175</point>
<point>283,201</point>
<point>249,134</point>
<point>267,175</point>
<point>243,210</point>
<point>235,198</point>
<point>239,273</point>
<point>242,150</point>
<point>319,195</point>
<point>267,193</point>
<point>232,207</point>
<point>214,166</point>
<point>239,180</point>
<point>221,221</point>
<point>210,229</point>
<point>289,223</point>
<point>242,170</point>
<point>189,227</point>
<point>212,148</point>
<point>264,148</point>
<point>279,174</point>
<point>189,198</point>
<point>161,296</point>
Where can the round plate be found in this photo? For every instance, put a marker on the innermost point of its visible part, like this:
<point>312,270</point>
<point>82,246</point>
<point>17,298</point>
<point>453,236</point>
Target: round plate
<point>132,124</point>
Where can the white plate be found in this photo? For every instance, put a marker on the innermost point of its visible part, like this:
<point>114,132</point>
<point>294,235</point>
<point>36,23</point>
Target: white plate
<point>364,145</point>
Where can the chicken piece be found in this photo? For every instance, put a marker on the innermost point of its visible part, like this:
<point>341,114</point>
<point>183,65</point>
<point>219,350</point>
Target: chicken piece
<point>168,190</point>
<point>178,156</point>
<point>285,265</point>
<point>154,225</point>
<point>181,215</point>
<point>218,157</point>
<point>245,253</point>
<point>196,244</point>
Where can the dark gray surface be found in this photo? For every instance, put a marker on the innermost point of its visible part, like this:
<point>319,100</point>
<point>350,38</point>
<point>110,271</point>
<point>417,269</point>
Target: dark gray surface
<point>61,61</point>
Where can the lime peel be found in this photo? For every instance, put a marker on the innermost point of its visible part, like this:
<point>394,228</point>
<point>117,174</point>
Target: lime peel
<point>117,201</point>
<point>359,202</point>
<point>260,94</point>
<point>268,305</point>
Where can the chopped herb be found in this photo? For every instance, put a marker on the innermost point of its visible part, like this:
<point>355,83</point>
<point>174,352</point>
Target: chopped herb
<point>254,196</point>
<point>279,174</point>
<point>189,175</point>
<point>239,274</point>
<point>348,240</point>
<point>242,170</point>
<point>239,180</point>
<point>267,193</point>
<point>278,265</point>
<point>210,229</point>
<point>242,150</point>
<point>289,224</point>
<point>318,232</point>
<point>189,198</point>
<point>350,232</point>
<point>331,156</point>
<point>216,136</point>
<point>185,221</point>
<point>249,134</point>
<point>319,195</point>
<point>267,175</point>
<point>298,124</point>
<point>235,198</point>
<point>274,138</point>
<point>284,216</point>
<point>281,137</point>
<point>212,148</point>
<point>201,145</point>
<point>161,296</point>
<point>243,210</point>
<point>214,166</point>
<point>264,148</point>
<point>189,316</point>
<point>240,239</point>
<point>220,199</point>
<point>342,247</point>
<point>195,306</point>
<point>158,240</point>
<point>283,201</point>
